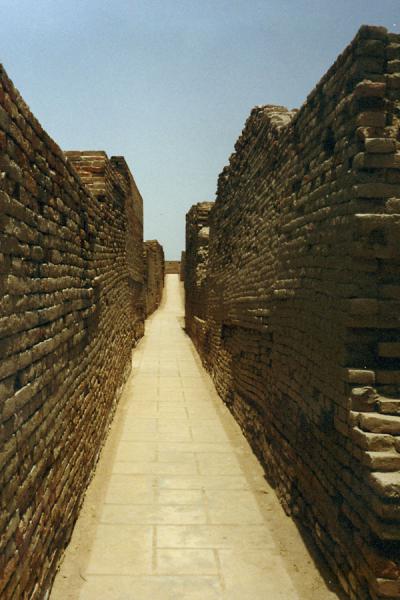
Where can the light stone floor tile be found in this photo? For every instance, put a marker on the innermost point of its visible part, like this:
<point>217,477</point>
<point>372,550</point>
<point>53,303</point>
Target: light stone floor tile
<point>185,497</point>
<point>186,561</point>
<point>214,536</point>
<point>127,489</point>
<point>148,368</point>
<point>262,573</point>
<point>170,382</point>
<point>139,410</point>
<point>233,507</point>
<point>176,456</point>
<point>135,405</point>
<point>144,425</point>
<point>114,550</point>
<point>208,435</point>
<point>174,436</point>
<point>218,464</point>
<point>150,588</point>
<point>199,482</point>
<point>196,447</point>
<point>171,396</point>
<point>155,468</point>
<point>197,393</point>
<point>129,435</point>
<point>172,409</point>
<point>179,508</point>
<point>169,425</point>
<point>199,413</point>
<point>136,451</point>
<point>145,382</point>
<point>189,372</point>
<point>155,514</point>
<point>192,383</point>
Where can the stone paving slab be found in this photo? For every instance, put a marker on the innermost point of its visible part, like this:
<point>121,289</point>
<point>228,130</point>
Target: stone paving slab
<point>179,507</point>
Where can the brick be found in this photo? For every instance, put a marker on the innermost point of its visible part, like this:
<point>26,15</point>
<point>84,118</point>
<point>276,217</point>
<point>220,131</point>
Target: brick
<point>154,274</point>
<point>290,296</point>
<point>380,145</point>
<point>376,423</point>
<point>71,311</point>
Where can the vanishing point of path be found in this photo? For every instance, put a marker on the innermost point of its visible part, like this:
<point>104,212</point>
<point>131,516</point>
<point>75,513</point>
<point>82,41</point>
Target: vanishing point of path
<point>178,508</point>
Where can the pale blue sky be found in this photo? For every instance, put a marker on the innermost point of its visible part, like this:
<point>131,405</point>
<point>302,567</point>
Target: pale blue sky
<point>169,84</point>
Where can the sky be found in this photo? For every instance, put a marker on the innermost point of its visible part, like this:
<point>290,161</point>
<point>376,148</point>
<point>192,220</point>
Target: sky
<point>169,83</point>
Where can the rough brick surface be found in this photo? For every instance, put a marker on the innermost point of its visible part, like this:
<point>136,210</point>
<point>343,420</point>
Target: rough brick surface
<point>172,267</point>
<point>301,324</point>
<point>154,274</point>
<point>182,266</point>
<point>195,272</point>
<point>71,309</point>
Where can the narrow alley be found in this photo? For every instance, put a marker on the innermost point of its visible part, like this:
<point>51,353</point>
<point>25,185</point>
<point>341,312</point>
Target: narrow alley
<point>178,507</point>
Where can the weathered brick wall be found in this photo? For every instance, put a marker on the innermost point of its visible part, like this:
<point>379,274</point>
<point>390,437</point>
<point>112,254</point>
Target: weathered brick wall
<point>71,309</point>
<point>172,267</point>
<point>182,266</point>
<point>195,272</point>
<point>119,252</point>
<point>303,299</point>
<point>154,274</point>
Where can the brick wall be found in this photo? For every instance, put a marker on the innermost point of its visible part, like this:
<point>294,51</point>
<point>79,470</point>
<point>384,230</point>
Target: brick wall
<point>172,267</point>
<point>154,274</point>
<point>71,309</point>
<point>182,266</point>
<point>302,307</point>
<point>195,272</point>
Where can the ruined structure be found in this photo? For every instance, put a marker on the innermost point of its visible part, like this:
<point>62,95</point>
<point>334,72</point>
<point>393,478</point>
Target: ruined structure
<point>182,266</point>
<point>71,310</point>
<point>154,268</point>
<point>195,271</point>
<point>300,325</point>
<point>172,267</point>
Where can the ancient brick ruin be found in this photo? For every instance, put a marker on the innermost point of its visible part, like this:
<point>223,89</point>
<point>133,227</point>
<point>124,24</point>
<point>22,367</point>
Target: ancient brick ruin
<point>182,266</point>
<point>195,272</point>
<point>153,274</point>
<point>295,306</point>
<point>172,267</point>
<point>292,292</point>
<point>71,310</point>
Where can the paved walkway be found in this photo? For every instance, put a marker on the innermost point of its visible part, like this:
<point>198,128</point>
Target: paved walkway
<point>178,508</point>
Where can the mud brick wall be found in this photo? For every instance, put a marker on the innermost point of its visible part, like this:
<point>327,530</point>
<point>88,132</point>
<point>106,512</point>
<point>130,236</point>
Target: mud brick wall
<point>154,274</point>
<point>119,250</point>
<point>71,309</point>
<point>172,267</point>
<point>182,266</point>
<point>195,272</point>
<point>303,304</point>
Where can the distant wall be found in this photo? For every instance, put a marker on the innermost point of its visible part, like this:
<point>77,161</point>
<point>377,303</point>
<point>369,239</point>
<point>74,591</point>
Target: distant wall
<point>71,309</point>
<point>154,274</point>
<point>172,267</point>
<point>302,307</point>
